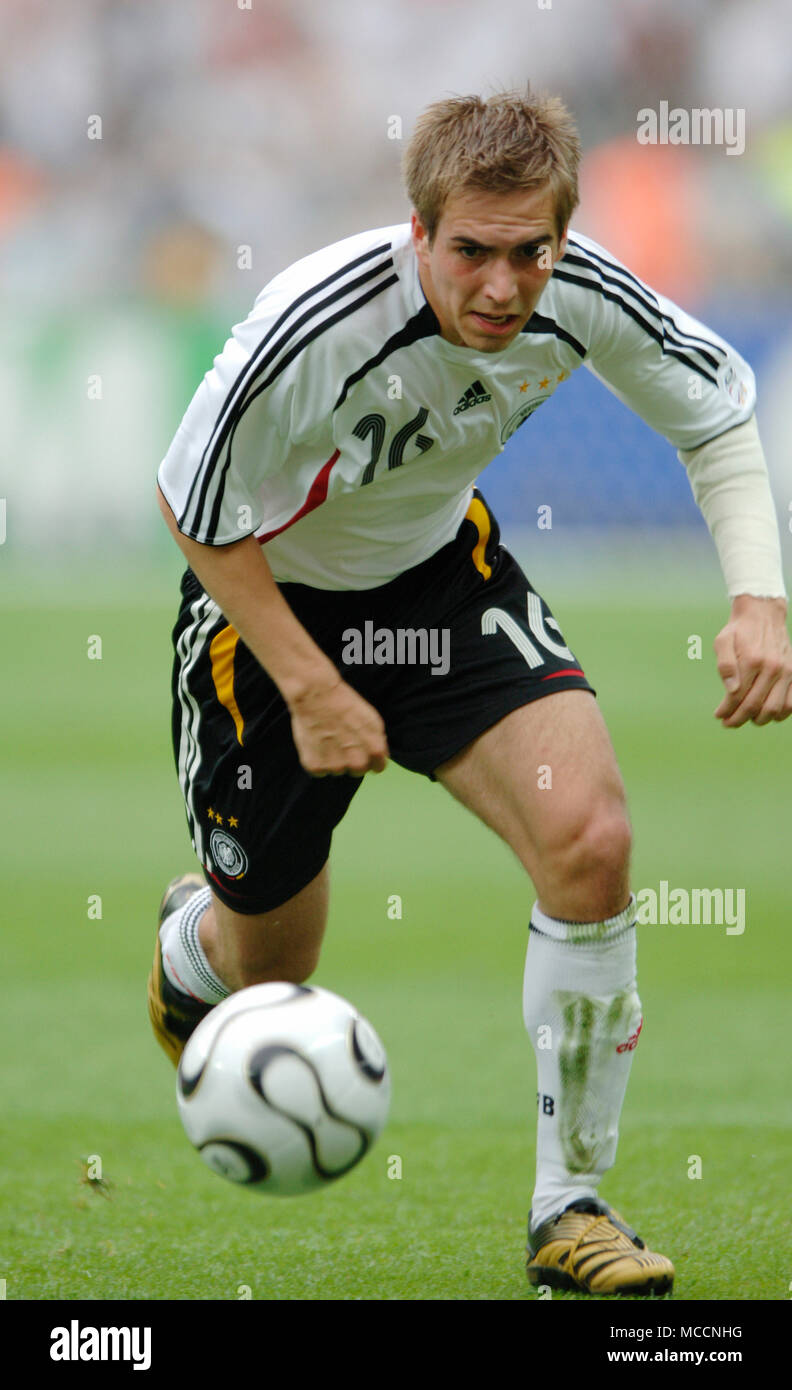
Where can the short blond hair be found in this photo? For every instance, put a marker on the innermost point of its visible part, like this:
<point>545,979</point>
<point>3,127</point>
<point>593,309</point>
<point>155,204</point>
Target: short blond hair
<point>508,142</point>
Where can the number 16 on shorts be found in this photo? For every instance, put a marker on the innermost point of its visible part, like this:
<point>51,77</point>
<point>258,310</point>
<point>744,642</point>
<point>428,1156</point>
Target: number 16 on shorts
<point>494,618</point>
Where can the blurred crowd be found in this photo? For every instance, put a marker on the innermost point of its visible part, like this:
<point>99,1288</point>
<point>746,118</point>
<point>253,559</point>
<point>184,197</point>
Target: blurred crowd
<point>264,123</point>
<point>160,160</point>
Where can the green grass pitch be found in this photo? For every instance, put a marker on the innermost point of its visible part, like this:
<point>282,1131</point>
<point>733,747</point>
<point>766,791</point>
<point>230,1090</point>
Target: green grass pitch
<point>90,806</point>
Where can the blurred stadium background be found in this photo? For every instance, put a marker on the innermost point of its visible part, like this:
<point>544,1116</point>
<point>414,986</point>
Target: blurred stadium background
<point>268,128</point>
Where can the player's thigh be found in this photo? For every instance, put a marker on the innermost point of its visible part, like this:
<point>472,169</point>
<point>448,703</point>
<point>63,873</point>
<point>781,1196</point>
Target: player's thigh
<point>260,824</point>
<point>281,944</point>
<point>543,777</point>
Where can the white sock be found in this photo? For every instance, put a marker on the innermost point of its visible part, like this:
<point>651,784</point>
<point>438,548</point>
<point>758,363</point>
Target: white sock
<point>583,1017</point>
<point>183,957</point>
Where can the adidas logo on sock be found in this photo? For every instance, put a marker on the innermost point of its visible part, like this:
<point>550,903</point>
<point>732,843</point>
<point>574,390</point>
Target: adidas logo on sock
<point>475,395</point>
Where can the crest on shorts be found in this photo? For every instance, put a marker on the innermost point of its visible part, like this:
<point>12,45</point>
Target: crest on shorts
<point>228,854</point>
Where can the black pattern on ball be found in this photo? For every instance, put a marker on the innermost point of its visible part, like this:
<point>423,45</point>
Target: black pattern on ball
<point>258,1063</point>
<point>188,1084</point>
<point>184,1081</point>
<point>257,1165</point>
<point>375,1071</point>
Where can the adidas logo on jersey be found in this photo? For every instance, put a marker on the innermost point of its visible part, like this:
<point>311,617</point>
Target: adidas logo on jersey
<point>475,395</point>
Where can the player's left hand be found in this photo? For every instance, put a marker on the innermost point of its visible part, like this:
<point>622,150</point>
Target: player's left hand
<point>755,662</point>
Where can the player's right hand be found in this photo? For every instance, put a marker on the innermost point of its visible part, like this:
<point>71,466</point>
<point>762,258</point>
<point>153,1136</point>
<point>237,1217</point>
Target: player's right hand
<point>336,731</point>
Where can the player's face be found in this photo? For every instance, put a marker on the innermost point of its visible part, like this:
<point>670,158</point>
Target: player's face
<point>492,255</point>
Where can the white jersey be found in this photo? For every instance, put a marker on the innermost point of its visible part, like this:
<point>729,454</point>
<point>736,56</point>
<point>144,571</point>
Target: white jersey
<point>340,427</point>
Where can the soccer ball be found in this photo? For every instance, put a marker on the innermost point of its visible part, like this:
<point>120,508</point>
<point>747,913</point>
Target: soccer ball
<point>283,1088</point>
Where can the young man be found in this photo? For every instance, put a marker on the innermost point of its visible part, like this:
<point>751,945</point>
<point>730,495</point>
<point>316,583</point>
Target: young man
<point>322,480</point>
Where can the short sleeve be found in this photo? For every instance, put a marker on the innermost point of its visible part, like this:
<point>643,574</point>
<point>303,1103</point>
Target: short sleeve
<point>235,433</point>
<point>673,371</point>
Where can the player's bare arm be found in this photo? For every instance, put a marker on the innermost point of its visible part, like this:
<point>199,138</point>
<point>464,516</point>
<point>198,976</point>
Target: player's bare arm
<point>755,662</point>
<point>335,730</point>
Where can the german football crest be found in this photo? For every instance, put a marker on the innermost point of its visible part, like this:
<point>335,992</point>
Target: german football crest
<point>228,854</point>
<point>514,421</point>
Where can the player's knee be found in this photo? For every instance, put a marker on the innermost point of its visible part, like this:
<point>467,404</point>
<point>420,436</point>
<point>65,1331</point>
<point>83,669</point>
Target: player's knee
<point>600,850</point>
<point>592,848</point>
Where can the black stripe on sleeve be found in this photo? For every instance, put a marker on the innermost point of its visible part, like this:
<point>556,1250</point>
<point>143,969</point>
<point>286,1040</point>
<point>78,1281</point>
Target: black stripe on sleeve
<point>659,337</point>
<point>234,414</point>
<point>593,262</point>
<point>250,367</point>
<point>299,347</point>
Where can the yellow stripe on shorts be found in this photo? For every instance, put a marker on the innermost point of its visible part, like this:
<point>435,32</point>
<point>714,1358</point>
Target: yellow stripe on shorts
<point>477,513</point>
<point>222,651</point>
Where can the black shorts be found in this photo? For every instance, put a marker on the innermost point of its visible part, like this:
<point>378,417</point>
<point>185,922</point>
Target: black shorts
<point>443,652</point>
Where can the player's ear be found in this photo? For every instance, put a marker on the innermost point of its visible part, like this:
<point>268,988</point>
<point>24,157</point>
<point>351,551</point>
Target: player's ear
<point>562,245</point>
<point>420,236</point>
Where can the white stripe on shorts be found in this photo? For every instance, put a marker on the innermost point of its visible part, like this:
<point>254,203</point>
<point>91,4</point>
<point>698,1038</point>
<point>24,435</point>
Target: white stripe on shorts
<point>190,646</point>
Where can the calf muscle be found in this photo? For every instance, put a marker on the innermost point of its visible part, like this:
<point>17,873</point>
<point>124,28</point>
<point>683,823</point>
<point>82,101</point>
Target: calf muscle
<point>282,944</point>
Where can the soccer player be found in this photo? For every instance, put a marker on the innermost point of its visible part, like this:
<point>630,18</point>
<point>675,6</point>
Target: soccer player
<point>322,489</point>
